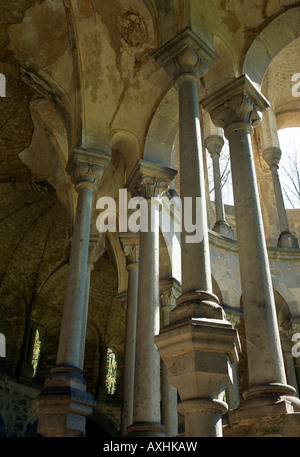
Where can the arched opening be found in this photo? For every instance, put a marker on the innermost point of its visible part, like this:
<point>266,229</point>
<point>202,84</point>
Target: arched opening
<point>289,170</point>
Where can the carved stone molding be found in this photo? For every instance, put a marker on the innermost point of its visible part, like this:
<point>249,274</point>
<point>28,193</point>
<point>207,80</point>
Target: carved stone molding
<point>87,166</point>
<point>233,315</point>
<point>150,180</point>
<point>237,102</point>
<point>170,290</point>
<point>131,247</point>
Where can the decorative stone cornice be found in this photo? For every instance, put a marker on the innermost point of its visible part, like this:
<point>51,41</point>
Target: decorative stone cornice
<point>87,166</point>
<point>272,156</point>
<point>185,55</point>
<point>150,180</point>
<point>239,102</point>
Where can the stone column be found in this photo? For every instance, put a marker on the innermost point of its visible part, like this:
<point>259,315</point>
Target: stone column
<point>96,250</point>
<point>272,156</point>
<point>233,315</point>
<point>236,108</point>
<point>199,345</point>
<point>130,244</point>
<point>214,142</point>
<point>214,145</point>
<point>169,292</point>
<point>63,404</point>
<point>149,181</point>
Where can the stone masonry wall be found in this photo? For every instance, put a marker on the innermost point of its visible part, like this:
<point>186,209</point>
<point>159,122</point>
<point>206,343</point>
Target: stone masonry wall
<point>16,418</point>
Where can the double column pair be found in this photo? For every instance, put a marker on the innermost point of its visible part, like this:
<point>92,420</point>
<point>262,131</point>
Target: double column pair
<point>199,345</point>
<point>236,108</point>
<point>168,290</point>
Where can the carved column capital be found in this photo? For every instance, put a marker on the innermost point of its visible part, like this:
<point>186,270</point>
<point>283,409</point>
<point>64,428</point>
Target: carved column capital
<point>185,56</point>
<point>214,145</point>
<point>150,180</point>
<point>131,248</point>
<point>169,291</point>
<point>86,167</point>
<point>237,105</point>
<point>272,156</point>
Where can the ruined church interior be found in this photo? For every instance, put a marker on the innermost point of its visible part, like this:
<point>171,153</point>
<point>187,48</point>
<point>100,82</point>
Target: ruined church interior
<point>187,329</point>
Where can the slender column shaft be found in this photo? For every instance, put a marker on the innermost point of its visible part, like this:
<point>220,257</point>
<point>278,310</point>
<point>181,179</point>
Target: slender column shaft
<point>94,252</point>
<point>220,213</point>
<point>263,348</point>
<point>70,338</point>
<point>282,216</point>
<point>85,315</point>
<point>130,339</point>
<point>147,361</point>
<point>272,156</point>
<point>195,260</point>
<point>169,392</point>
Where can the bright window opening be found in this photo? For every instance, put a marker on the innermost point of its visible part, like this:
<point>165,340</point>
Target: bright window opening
<point>111,371</point>
<point>289,166</point>
<point>36,352</point>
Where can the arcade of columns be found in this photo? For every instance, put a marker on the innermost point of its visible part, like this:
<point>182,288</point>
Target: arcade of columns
<point>196,341</point>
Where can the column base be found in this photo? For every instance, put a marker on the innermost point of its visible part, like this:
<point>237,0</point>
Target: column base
<point>198,348</point>
<point>287,240</point>
<point>224,229</point>
<point>146,430</point>
<point>196,304</point>
<point>63,404</point>
<point>267,410</point>
<point>203,416</point>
